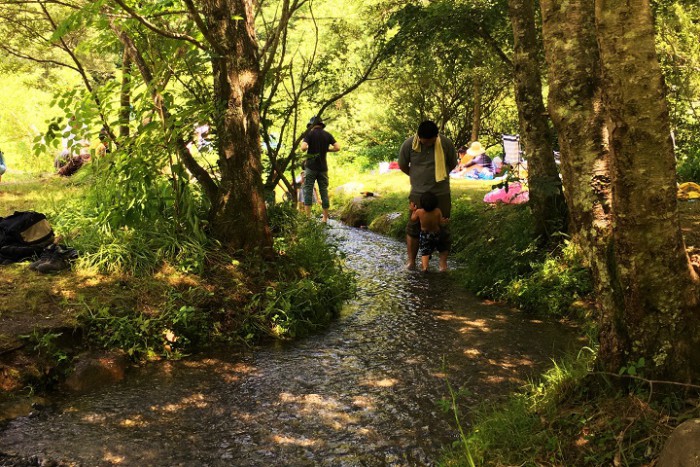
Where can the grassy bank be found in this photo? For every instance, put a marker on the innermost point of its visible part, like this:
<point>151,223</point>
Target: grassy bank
<point>153,293</point>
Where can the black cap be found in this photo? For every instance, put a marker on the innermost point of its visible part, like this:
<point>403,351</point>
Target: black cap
<point>316,121</point>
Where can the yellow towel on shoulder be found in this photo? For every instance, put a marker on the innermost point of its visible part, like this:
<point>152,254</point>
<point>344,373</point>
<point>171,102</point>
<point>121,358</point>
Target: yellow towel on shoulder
<point>440,168</point>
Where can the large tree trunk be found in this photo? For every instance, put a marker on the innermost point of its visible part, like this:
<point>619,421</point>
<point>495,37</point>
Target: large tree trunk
<point>575,105</point>
<point>546,197</point>
<point>238,217</point>
<point>657,315</point>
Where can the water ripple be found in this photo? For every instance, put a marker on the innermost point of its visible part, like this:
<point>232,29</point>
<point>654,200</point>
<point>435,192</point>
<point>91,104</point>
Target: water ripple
<point>362,393</point>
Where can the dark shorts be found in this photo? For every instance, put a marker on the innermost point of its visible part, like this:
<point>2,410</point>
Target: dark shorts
<point>445,205</point>
<point>431,241</point>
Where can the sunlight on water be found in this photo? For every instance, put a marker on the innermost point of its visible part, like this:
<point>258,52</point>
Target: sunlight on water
<point>363,392</point>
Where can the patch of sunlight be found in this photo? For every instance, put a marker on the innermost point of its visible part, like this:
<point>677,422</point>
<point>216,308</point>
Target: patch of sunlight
<point>467,323</point>
<point>472,353</point>
<point>113,458</point>
<point>281,439</point>
<point>195,400</point>
<point>381,383</point>
<point>512,363</point>
<point>94,418</point>
<point>329,410</point>
<point>439,374</point>
<point>172,276</point>
<point>498,379</point>
<point>229,372</point>
<point>364,401</point>
<point>133,422</point>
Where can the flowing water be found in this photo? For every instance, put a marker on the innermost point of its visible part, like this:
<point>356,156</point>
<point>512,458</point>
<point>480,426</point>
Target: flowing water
<point>364,392</point>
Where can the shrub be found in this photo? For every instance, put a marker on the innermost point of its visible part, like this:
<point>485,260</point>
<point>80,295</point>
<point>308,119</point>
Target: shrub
<point>495,245</point>
<point>555,285</point>
<point>311,282</point>
<point>689,165</point>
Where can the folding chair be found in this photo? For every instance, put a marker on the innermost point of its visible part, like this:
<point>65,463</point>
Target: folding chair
<point>513,154</point>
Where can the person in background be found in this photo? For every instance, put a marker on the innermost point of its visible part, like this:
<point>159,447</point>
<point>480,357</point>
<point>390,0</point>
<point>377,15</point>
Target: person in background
<point>300,192</point>
<point>102,148</point>
<point>481,164</point>
<point>3,165</point>
<point>427,158</point>
<point>317,143</point>
<point>431,234</point>
<point>462,157</point>
<point>68,162</point>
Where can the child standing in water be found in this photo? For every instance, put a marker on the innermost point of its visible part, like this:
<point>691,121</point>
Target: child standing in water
<point>431,237</point>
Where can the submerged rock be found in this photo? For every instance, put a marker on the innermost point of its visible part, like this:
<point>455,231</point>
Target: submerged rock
<point>95,371</point>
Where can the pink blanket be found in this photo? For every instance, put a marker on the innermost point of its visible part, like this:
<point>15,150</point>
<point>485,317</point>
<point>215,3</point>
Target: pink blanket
<point>515,195</point>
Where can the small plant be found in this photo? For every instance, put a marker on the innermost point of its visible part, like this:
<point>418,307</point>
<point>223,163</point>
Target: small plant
<point>44,344</point>
<point>169,334</point>
<point>634,368</point>
<point>53,361</point>
<point>554,287</point>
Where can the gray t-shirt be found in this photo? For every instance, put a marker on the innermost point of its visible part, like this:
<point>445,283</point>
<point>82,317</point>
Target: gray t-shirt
<point>420,166</point>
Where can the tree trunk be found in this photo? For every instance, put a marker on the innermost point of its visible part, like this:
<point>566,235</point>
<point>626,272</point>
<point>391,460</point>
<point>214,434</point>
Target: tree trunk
<point>476,115</point>
<point>125,96</point>
<point>575,105</point>
<point>546,197</point>
<point>238,217</point>
<point>657,316</point>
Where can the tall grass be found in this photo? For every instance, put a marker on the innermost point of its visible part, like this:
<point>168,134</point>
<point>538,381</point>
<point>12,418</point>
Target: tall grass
<point>133,216</point>
<point>310,284</point>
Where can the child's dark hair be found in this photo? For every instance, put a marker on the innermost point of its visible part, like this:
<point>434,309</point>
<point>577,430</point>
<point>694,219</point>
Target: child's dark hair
<point>428,201</point>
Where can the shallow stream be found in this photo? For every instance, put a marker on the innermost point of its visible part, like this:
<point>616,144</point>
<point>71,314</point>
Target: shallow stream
<point>364,392</point>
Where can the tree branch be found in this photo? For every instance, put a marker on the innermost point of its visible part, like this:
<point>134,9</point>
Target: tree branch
<point>192,9</point>
<point>209,186</point>
<point>156,29</point>
<point>37,60</point>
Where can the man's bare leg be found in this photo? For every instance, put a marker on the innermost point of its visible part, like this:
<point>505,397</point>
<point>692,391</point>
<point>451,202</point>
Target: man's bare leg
<point>307,209</point>
<point>443,260</point>
<point>412,248</point>
<point>325,215</point>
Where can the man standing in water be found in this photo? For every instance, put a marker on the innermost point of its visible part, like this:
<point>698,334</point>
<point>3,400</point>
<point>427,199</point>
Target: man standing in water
<point>317,143</point>
<point>427,158</point>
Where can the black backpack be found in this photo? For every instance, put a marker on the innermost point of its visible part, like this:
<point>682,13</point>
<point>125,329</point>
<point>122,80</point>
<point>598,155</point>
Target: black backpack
<point>23,235</point>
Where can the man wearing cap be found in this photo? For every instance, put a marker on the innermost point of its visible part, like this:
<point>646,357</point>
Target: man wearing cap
<point>317,143</point>
<point>427,158</point>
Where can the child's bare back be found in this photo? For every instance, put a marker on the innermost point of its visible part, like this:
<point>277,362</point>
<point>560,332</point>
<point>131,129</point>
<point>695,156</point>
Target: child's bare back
<point>430,221</point>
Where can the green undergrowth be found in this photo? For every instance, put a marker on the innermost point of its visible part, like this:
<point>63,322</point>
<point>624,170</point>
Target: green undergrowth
<point>574,416</point>
<point>308,283</point>
<point>149,281</point>
<point>297,294</point>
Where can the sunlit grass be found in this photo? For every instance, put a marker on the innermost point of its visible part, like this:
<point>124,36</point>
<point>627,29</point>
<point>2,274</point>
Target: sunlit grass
<point>22,191</point>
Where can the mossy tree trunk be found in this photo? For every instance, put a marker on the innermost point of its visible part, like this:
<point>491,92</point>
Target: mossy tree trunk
<point>238,216</point>
<point>546,197</point>
<point>608,104</point>
<point>575,105</point>
<point>657,315</point>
